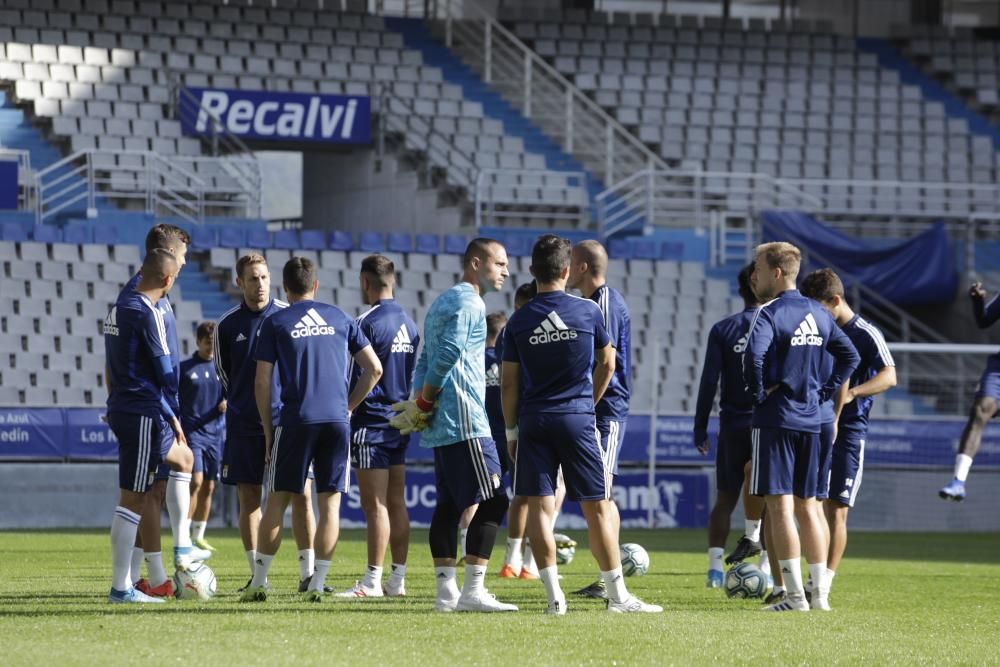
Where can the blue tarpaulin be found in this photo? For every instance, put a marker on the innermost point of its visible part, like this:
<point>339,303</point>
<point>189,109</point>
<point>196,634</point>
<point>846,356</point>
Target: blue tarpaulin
<point>920,270</point>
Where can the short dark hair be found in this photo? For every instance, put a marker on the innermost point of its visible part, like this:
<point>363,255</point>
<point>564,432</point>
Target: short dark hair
<point>379,268</point>
<point>550,255</point>
<point>495,322</point>
<point>822,285</point>
<point>158,264</point>
<point>248,260</point>
<point>299,275</point>
<point>479,247</point>
<point>166,237</point>
<point>205,330</point>
<point>743,280</point>
<point>525,293</point>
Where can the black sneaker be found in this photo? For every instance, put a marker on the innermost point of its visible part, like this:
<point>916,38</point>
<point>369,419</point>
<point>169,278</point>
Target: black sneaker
<point>596,590</point>
<point>304,585</point>
<point>775,598</point>
<point>745,548</point>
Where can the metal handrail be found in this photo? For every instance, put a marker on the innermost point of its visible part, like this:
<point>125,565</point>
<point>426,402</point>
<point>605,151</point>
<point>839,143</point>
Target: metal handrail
<point>485,201</point>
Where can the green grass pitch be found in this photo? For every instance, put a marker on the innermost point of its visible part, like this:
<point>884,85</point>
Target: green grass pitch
<point>899,599</point>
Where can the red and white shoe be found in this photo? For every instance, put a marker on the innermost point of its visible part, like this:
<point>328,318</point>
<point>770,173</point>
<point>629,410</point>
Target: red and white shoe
<point>361,591</point>
<point>164,590</point>
<point>507,572</point>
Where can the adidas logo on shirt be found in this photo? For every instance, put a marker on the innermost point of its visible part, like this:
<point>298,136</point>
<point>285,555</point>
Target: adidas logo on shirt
<point>493,375</point>
<point>312,324</point>
<point>551,330</point>
<point>401,341</point>
<point>240,338</point>
<point>807,333</point>
<point>111,323</point>
<point>741,345</point>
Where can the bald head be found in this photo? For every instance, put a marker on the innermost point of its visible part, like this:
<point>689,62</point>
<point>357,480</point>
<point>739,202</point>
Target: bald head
<point>588,268</point>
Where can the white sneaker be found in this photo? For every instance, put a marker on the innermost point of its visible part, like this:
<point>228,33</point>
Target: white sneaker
<point>360,591</point>
<point>557,608</point>
<point>633,605</point>
<point>445,605</point>
<point>483,601</point>
<point>789,604</point>
<point>393,591</point>
<point>819,603</point>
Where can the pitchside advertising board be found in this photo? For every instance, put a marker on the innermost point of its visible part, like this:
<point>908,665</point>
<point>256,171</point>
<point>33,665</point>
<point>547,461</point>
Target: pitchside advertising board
<point>284,117</point>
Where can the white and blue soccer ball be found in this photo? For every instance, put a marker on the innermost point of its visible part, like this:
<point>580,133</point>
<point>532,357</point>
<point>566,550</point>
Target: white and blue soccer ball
<point>565,548</point>
<point>197,582</point>
<point>745,580</point>
<point>635,560</point>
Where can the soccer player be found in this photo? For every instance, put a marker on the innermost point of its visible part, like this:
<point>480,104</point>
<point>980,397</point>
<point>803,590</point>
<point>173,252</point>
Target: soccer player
<point>203,407</point>
<point>875,374</point>
<point>558,361</point>
<point>170,485</point>
<point>588,273</point>
<point>378,451</point>
<point>986,403</point>
<point>140,376</point>
<point>724,366</point>
<point>782,367</point>
<point>449,387</point>
<point>243,452</point>
<point>309,344</point>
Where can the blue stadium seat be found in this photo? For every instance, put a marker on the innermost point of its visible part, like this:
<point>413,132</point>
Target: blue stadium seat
<point>400,242</point>
<point>672,250</point>
<point>232,236</point>
<point>106,234</point>
<point>77,233</point>
<point>341,241</point>
<point>47,234</point>
<point>203,237</point>
<point>312,239</point>
<point>519,245</point>
<point>258,238</point>
<point>620,249</point>
<point>286,239</point>
<point>371,242</point>
<point>12,231</point>
<point>645,250</point>
<point>429,244</point>
<point>454,244</point>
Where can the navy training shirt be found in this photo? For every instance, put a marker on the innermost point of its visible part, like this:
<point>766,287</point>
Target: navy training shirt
<point>134,339</point>
<point>201,392</point>
<point>235,342</point>
<point>787,341</point>
<point>311,345</point>
<point>875,356</point>
<point>618,322</point>
<point>394,339</point>
<point>553,337</point>
<point>173,344</point>
<point>724,367</point>
<point>494,401</point>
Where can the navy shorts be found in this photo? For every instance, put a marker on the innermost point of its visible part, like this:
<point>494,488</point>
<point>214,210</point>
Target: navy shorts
<point>612,435</point>
<point>847,467</point>
<point>784,463</point>
<point>731,457</point>
<point>206,458</point>
<point>243,458</point>
<point>142,443</point>
<point>467,472</point>
<point>324,447</point>
<point>377,450</point>
<point>500,440</point>
<point>570,440</point>
<point>989,384</point>
<point>825,457</point>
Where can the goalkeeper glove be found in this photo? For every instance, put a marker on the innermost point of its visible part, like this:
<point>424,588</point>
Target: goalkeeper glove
<point>411,416</point>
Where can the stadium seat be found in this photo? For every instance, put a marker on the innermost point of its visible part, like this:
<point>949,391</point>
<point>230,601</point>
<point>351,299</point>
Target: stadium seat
<point>231,236</point>
<point>287,239</point>
<point>258,238</point>
<point>429,244</point>
<point>397,242</point>
<point>12,231</point>
<point>371,242</point>
<point>312,239</point>
<point>77,233</point>
<point>46,234</point>
<point>341,241</point>
<point>203,236</point>
<point>455,244</point>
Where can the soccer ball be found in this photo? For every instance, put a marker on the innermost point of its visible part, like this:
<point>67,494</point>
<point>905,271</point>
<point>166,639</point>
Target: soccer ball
<point>635,560</point>
<point>196,582</point>
<point>565,548</point>
<point>745,580</point>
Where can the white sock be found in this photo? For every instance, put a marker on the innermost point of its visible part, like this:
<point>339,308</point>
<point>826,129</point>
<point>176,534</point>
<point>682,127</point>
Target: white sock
<point>817,572</point>
<point>447,587</point>
<point>778,589</point>
<point>251,557</point>
<point>397,573</point>
<point>154,568</point>
<point>307,563</point>
<point>765,564</point>
<point>461,541</point>
<point>828,581</point>
<point>752,530</point>
<point>261,566</point>
<point>475,575</point>
<point>319,575</point>
<point>791,575</point>
<point>178,507</point>
<point>715,558</point>
<point>373,577</point>
<point>962,464</point>
<point>198,530</point>
<point>514,557</point>
<point>135,568</point>
<point>614,583</point>
<point>124,526</point>
<point>529,560</point>
<point>550,579</point>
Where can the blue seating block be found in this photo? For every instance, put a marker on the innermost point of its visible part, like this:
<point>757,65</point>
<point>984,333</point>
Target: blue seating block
<point>77,233</point>
<point>12,231</point>
<point>258,238</point>
<point>232,236</point>
<point>371,242</point>
<point>341,241</point>
<point>455,244</point>
<point>645,250</point>
<point>286,239</point>
<point>398,242</point>
<point>106,234</point>
<point>620,249</point>
<point>672,250</point>
<point>203,237</point>
<point>47,234</point>
<point>429,244</point>
<point>312,239</point>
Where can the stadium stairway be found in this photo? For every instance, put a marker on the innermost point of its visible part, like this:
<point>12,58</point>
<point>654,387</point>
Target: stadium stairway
<point>196,285</point>
<point>890,57</point>
<point>416,36</point>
